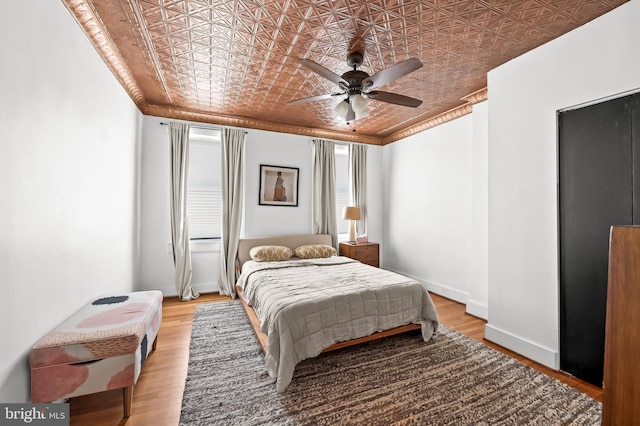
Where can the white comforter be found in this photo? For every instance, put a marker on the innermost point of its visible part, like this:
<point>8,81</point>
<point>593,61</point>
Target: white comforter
<point>305,306</point>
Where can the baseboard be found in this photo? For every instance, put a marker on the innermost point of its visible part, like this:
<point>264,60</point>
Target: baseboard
<point>477,309</point>
<point>439,289</point>
<point>206,287</point>
<point>166,291</point>
<point>533,351</point>
<point>445,291</point>
<point>200,288</point>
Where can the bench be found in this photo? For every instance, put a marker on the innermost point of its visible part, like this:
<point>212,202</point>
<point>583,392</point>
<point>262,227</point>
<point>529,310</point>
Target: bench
<point>100,347</point>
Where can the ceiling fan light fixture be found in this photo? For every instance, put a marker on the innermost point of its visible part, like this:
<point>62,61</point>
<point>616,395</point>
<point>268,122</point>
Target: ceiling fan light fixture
<point>355,83</point>
<point>340,110</point>
<point>358,103</point>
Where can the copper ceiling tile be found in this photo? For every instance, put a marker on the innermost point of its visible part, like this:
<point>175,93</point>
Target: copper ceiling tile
<point>236,62</point>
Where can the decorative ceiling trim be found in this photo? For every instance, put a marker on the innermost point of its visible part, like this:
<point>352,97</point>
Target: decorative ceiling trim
<point>446,116</point>
<point>247,123</point>
<point>205,117</point>
<point>477,96</point>
<point>94,29</point>
<point>152,53</point>
<point>452,114</point>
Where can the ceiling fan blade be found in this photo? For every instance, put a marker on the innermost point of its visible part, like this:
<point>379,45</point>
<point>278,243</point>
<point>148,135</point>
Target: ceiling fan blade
<point>319,69</point>
<point>393,72</point>
<point>314,98</point>
<point>394,98</point>
<point>351,114</point>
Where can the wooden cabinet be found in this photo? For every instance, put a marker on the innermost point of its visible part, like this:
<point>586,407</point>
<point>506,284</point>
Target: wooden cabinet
<point>621,399</point>
<point>368,253</point>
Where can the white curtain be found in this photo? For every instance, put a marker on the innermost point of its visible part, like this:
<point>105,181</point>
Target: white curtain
<point>358,180</point>
<point>179,141</point>
<point>232,196</point>
<point>323,206</point>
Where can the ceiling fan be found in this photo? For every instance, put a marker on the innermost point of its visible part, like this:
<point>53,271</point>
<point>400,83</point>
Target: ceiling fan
<point>355,85</point>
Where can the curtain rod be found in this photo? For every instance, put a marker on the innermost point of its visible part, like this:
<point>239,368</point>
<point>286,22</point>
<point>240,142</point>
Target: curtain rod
<point>198,127</point>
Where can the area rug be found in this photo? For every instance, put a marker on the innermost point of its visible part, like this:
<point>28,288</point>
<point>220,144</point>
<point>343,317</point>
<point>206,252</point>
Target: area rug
<point>450,380</point>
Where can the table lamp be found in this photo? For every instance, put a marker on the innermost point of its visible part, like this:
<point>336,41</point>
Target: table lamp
<point>351,213</point>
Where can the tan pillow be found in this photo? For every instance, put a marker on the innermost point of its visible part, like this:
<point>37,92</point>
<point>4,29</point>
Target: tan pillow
<point>270,253</point>
<point>314,251</point>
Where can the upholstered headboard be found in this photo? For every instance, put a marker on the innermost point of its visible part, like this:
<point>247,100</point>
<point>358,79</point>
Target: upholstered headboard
<point>291,241</point>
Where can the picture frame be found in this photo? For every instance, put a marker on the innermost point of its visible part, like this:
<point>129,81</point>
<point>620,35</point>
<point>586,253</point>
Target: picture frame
<point>278,186</point>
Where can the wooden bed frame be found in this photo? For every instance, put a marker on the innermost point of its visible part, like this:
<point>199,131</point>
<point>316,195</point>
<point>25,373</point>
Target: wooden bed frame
<point>293,241</point>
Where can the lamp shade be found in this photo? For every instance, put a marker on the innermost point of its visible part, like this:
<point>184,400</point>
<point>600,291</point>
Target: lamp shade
<point>341,109</point>
<point>359,103</point>
<point>351,213</point>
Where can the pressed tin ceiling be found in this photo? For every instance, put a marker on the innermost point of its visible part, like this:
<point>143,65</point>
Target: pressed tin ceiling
<point>236,62</point>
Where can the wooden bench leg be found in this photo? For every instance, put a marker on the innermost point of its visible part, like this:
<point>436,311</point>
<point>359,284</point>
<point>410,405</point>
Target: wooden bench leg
<point>127,396</point>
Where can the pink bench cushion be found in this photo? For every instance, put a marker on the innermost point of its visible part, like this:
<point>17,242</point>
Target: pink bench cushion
<point>110,333</point>
<point>107,327</point>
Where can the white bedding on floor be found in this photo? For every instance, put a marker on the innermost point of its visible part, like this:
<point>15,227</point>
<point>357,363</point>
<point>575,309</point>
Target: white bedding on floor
<point>305,306</point>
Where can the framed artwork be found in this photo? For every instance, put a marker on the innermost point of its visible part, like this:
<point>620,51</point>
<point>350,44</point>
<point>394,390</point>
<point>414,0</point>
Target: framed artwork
<point>278,186</point>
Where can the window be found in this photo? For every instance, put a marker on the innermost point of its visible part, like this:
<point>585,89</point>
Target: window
<point>204,191</point>
<point>342,186</point>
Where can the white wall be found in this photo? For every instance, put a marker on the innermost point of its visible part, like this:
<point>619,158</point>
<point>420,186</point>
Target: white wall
<point>428,205</point>
<point>597,60</point>
<point>375,195</point>
<point>277,149</point>
<point>262,147</point>
<point>156,259</point>
<point>478,298</point>
<point>68,170</point>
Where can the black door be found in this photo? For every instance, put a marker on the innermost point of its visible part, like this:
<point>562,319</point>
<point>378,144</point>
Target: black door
<point>596,191</point>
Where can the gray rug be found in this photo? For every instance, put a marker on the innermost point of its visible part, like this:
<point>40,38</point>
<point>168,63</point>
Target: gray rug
<point>398,380</point>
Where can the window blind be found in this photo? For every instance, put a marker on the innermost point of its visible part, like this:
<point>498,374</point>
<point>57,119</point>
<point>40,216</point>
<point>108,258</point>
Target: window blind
<point>204,193</point>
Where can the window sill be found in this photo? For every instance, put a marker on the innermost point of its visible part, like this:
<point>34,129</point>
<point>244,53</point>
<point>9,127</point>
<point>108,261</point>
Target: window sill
<point>199,246</point>
<point>204,246</point>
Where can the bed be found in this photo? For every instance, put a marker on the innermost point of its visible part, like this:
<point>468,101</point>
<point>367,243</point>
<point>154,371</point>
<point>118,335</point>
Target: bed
<point>300,307</point>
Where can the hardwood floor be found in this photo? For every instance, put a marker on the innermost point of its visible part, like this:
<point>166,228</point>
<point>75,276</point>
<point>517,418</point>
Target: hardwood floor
<point>157,396</point>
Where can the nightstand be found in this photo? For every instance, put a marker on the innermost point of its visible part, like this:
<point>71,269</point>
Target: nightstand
<point>368,253</point>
